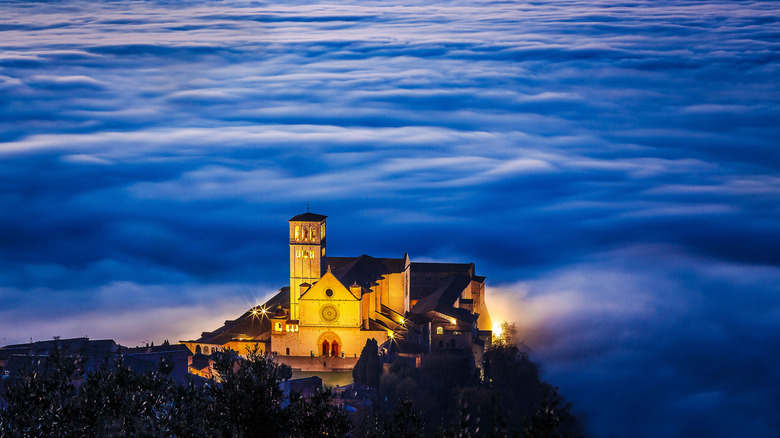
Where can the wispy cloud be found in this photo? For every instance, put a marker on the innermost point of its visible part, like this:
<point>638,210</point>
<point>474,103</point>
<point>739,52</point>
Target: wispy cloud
<point>612,167</point>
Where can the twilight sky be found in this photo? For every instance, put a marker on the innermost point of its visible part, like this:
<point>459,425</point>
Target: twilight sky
<point>612,167</point>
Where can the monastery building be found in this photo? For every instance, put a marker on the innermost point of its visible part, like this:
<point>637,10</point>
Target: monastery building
<point>332,305</point>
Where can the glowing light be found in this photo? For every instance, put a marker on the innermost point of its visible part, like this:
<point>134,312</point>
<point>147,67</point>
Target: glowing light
<point>263,311</point>
<point>497,330</point>
<point>452,320</point>
<point>391,335</point>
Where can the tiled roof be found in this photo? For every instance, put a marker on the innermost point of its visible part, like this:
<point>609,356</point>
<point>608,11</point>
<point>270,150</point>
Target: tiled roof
<point>443,299</point>
<point>364,270</point>
<point>249,324</point>
<point>464,268</point>
<point>308,217</point>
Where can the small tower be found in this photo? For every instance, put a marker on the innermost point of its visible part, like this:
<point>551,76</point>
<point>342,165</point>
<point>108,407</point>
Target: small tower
<point>307,254</point>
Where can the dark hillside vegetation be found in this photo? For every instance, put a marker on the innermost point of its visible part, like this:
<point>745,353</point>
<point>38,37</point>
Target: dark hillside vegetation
<point>447,396</point>
<point>115,401</point>
<point>505,398</point>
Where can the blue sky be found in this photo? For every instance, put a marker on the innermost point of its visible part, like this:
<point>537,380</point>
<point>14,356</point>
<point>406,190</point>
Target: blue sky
<point>611,167</point>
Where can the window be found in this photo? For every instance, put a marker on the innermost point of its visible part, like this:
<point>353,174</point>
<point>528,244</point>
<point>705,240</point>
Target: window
<point>278,326</point>
<point>205,350</point>
<point>306,254</point>
<point>322,231</point>
<point>297,232</point>
<point>329,292</point>
<point>439,330</point>
<point>287,350</point>
<point>323,252</point>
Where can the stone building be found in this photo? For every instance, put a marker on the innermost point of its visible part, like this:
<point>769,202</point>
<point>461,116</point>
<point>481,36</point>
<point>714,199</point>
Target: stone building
<point>332,305</point>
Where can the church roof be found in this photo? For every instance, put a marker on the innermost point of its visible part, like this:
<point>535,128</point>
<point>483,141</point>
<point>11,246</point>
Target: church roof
<point>308,217</point>
<point>364,270</point>
<point>248,324</point>
<point>464,268</point>
<point>443,299</point>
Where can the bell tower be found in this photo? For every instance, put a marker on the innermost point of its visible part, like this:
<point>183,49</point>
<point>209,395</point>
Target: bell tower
<point>307,254</point>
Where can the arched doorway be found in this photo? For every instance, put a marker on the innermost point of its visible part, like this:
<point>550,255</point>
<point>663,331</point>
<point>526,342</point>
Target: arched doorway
<point>329,344</point>
<point>325,348</point>
<point>334,348</point>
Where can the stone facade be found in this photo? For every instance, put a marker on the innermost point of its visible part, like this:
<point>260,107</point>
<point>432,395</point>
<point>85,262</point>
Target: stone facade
<point>333,305</point>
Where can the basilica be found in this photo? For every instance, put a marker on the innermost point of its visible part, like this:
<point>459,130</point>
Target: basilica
<point>333,305</point>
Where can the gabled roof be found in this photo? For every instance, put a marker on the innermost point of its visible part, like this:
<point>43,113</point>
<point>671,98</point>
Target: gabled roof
<point>364,270</point>
<point>248,324</point>
<point>392,265</point>
<point>328,279</point>
<point>463,268</point>
<point>443,299</point>
<point>83,346</point>
<point>308,217</point>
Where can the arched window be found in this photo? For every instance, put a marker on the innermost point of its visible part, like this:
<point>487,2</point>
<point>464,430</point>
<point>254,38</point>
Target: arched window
<point>325,348</point>
<point>297,232</point>
<point>197,349</point>
<point>287,351</point>
<point>205,350</point>
<point>439,330</point>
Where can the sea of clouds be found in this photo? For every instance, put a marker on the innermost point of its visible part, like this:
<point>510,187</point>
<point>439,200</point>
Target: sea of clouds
<point>613,167</point>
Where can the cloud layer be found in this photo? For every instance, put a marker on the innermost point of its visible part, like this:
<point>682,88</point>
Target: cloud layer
<point>611,167</point>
